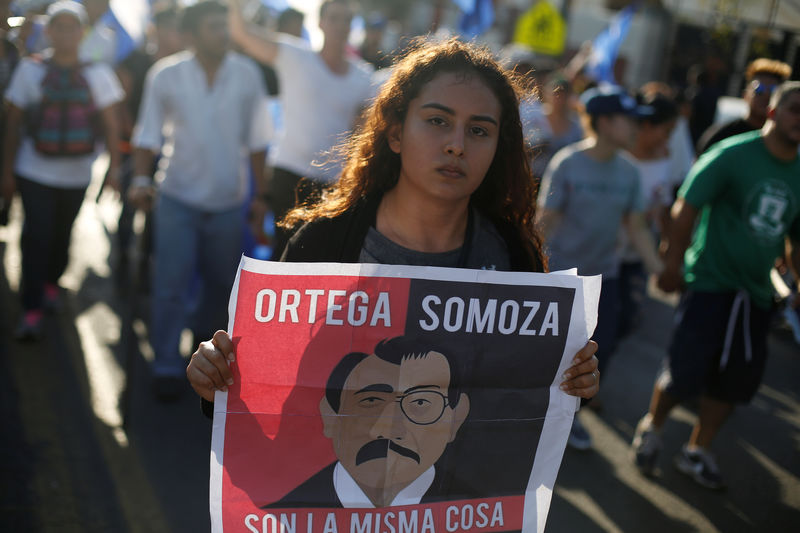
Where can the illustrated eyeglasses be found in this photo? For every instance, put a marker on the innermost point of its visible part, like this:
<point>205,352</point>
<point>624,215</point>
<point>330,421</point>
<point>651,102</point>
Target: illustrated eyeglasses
<point>762,88</point>
<point>423,407</point>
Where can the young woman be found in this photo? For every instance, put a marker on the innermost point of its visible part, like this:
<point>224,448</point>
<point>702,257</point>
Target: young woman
<point>437,175</point>
<point>52,105</point>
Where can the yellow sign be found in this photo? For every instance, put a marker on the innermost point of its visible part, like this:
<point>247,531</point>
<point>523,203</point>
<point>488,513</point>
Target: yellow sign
<point>542,29</point>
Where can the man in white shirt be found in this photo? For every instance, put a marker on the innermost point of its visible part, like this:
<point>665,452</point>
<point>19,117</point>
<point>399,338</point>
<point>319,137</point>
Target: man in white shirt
<point>199,110</point>
<point>390,416</point>
<point>322,94</point>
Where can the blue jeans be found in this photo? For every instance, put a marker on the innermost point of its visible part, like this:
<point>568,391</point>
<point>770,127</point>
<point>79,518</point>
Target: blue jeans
<point>190,244</point>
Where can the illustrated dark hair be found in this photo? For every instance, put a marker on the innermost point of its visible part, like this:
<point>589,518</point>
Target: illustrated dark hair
<point>508,191</point>
<point>394,350</point>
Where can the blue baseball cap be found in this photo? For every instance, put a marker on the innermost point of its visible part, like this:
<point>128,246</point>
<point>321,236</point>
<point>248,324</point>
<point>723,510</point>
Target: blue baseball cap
<point>613,100</point>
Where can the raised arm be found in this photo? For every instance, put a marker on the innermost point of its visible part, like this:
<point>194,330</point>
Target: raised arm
<point>260,47</point>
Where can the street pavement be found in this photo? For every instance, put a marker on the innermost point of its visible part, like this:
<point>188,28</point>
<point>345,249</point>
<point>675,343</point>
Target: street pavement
<point>87,448</point>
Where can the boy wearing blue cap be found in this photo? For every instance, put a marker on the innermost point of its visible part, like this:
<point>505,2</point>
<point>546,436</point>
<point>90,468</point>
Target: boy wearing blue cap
<point>590,190</point>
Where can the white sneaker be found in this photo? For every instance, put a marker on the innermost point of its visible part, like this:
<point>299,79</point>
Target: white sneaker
<point>701,467</point>
<point>645,446</point>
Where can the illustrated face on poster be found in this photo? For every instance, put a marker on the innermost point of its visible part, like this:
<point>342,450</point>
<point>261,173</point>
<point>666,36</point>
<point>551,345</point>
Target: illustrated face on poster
<point>393,401</point>
<point>393,416</point>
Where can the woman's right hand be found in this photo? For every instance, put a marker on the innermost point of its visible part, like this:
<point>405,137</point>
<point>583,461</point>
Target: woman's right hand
<point>208,371</point>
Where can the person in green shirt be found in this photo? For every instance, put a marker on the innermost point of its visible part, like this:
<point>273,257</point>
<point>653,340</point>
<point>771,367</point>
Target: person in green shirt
<point>746,191</point>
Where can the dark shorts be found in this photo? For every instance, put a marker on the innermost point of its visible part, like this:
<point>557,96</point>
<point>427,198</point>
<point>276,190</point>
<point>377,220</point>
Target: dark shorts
<point>698,362</point>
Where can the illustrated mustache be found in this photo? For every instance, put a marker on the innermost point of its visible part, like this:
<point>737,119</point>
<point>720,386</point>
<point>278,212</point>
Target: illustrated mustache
<point>379,449</point>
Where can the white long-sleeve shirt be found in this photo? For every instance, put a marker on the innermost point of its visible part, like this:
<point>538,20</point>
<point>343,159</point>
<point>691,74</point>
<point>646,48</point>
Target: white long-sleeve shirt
<point>204,133</point>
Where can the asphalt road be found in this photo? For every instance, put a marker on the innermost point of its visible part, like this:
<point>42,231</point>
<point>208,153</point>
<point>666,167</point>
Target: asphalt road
<point>86,448</point>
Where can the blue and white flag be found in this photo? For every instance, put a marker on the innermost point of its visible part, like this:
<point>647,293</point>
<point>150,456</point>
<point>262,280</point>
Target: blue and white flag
<point>129,20</point>
<point>606,45</point>
<point>477,17</point>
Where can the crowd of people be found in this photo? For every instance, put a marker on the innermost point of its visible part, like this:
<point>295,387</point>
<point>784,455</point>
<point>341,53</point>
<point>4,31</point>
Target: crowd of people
<point>441,158</point>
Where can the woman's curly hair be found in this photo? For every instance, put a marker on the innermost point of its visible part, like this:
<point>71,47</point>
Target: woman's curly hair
<point>507,193</point>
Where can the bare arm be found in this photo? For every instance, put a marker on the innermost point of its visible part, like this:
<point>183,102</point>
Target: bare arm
<point>141,195</point>
<point>677,241</point>
<point>10,145</point>
<point>643,242</point>
<point>143,160</point>
<point>260,47</point>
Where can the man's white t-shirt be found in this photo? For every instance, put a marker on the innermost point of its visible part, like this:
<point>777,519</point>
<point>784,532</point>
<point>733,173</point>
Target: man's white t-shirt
<point>319,107</point>
<point>25,91</point>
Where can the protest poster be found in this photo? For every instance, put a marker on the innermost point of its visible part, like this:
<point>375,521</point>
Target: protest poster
<point>377,398</point>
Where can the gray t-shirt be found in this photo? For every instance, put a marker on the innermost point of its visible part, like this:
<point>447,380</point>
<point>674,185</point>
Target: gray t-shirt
<point>487,250</point>
<point>592,197</point>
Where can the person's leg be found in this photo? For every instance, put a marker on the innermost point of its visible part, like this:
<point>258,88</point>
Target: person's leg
<point>68,204</point>
<point>125,222</point>
<point>38,202</point>
<point>175,234</point>
<point>145,248</point>
<point>693,351</point>
<point>220,233</point>
<point>632,289</point>
<point>605,334</point>
<point>661,403</point>
<point>713,413</point>
<point>739,380</point>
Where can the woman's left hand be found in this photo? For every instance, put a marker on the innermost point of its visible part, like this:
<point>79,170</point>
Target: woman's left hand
<point>582,378</point>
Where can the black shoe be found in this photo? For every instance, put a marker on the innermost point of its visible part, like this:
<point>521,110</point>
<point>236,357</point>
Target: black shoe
<point>167,388</point>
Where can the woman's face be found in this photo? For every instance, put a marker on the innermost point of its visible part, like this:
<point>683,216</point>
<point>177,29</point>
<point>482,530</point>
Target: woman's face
<point>65,32</point>
<point>448,139</point>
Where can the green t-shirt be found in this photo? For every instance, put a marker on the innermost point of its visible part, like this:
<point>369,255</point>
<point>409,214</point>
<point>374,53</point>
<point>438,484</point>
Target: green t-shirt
<point>749,201</point>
